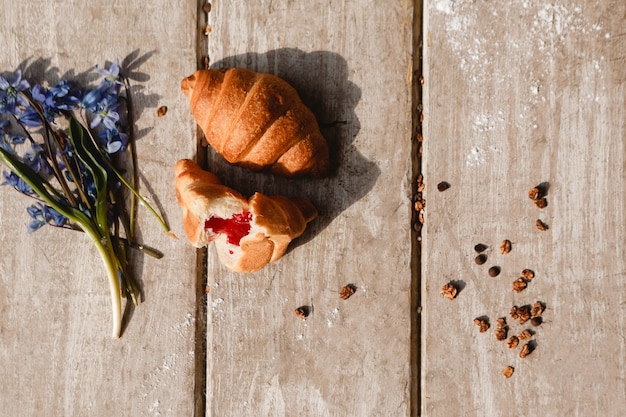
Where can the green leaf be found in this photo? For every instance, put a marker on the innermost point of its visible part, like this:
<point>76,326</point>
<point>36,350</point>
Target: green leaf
<point>107,166</point>
<point>88,154</point>
<point>41,187</point>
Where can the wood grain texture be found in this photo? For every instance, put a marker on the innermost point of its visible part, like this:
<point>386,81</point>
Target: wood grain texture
<point>350,63</point>
<point>518,94</point>
<point>56,355</point>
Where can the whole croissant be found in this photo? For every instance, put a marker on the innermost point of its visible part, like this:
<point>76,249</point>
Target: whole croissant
<point>248,234</point>
<point>257,121</point>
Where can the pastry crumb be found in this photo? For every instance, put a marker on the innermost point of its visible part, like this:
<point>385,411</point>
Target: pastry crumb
<point>541,225</point>
<point>508,371</point>
<point>483,324</point>
<point>520,284</point>
<point>302,312</point>
<point>347,291</point>
<point>512,342</point>
<point>449,291</point>
<point>505,247</point>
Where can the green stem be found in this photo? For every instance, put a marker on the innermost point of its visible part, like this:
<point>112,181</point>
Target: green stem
<point>110,264</point>
<point>132,157</point>
<point>90,227</point>
<point>147,205</point>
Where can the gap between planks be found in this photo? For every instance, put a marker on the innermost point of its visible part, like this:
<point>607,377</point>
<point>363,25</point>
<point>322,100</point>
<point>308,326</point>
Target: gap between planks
<point>416,250</point>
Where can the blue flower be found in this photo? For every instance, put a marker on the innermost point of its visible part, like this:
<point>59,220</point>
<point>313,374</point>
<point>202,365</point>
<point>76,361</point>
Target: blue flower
<point>15,181</point>
<point>53,216</point>
<point>92,97</point>
<point>59,97</point>
<point>10,97</point>
<point>111,75</point>
<point>17,139</point>
<point>36,213</point>
<point>8,141</point>
<point>88,185</point>
<point>5,143</point>
<point>106,114</point>
<point>64,97</point>
<point>35,158</point>
<point>29,117</point>
<point>113,140</point>
<point>43,214</point>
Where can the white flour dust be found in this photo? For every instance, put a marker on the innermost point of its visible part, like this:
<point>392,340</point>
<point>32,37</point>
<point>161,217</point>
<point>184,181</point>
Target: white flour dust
<point>496,48</point>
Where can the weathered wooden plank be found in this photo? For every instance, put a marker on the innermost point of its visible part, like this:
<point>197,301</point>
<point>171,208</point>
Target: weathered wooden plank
<point>56,355</point>
<point>520,93</point>
<point>350,65</point>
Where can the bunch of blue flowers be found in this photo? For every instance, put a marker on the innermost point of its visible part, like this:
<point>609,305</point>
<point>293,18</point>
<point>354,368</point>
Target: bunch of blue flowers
<point>61,145</point>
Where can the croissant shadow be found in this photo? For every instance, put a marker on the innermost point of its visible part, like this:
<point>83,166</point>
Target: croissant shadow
<point>321,80</point>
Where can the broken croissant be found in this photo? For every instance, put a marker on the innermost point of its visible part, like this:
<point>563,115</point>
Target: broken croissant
<point>257,121</point>
<point>248,234</point>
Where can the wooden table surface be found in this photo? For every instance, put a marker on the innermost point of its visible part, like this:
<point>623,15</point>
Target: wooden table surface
<point>511,95</point>
<point>516,95</point>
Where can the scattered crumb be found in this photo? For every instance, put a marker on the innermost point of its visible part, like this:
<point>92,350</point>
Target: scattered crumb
<point>528,274</point>
<point>541,225</point>
<point>420,183</point>
<point>501,329</point>
<point>483,324</point>
<point>501,333</point>
<point>519,285</point>
<point>536,309</point>
<point>494,271</point>
<point>538,192</point>
<point>347,291</point>
<point>525,335</point>
<point>302,312</point>
<point>512,342</point>
<point>505,247</point>
<point>449,291</point>
<point>443,186</point>
<point>526,350</point>
<point>161,111</point>
<point>523,313</point>
<point>480,259</point>
<point>481,247</point>
<point>508,371</point>
<point>541,203</point>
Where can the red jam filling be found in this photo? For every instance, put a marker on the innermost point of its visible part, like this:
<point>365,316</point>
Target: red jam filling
<point>234,228</point>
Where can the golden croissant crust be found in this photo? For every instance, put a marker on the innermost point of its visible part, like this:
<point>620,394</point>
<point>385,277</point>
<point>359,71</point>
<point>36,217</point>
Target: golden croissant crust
<point>248,234</point>
<point>257,121</point>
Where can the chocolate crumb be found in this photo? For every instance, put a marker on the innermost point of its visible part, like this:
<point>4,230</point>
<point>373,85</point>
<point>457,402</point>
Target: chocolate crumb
<point>494,271</point>
<point>480,247</point>
<point>480,259</point>
<point>443,186</point>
